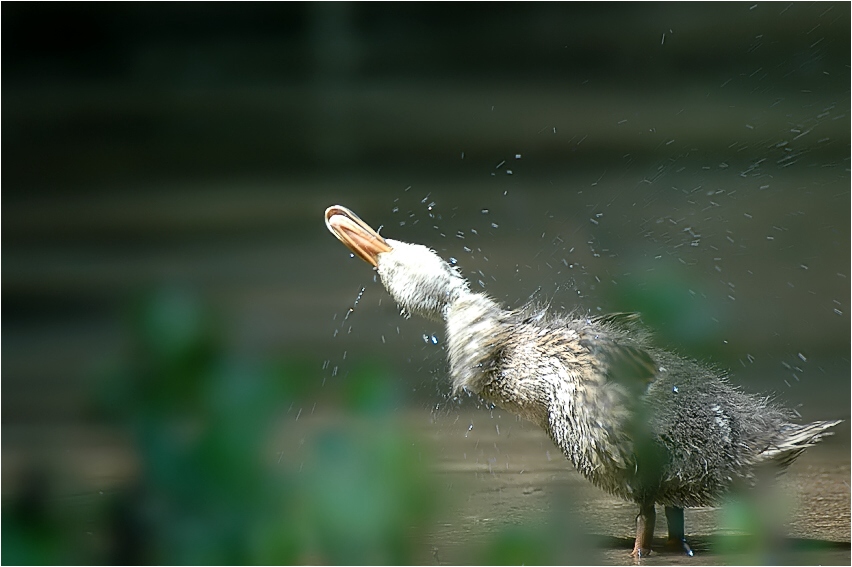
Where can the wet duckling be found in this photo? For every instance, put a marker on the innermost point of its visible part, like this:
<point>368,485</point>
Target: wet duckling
<point>640,422</point>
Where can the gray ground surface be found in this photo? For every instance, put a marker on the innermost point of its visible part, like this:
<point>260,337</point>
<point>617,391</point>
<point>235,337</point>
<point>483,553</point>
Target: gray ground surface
<point>517,476</point>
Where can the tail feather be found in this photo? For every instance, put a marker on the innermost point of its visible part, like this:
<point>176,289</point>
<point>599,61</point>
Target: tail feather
<point>793,439</point>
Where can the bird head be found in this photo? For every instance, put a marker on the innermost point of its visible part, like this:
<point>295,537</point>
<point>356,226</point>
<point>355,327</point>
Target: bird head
<point>419,280</point>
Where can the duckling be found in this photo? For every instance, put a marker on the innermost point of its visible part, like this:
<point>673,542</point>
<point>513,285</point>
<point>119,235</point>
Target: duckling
<point>640,422</point>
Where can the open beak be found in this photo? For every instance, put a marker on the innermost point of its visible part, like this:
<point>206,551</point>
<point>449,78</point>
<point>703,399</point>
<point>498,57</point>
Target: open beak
<point>355,234</point>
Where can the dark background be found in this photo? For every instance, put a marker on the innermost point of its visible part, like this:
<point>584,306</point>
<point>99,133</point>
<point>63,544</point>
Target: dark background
<point>167,167</point>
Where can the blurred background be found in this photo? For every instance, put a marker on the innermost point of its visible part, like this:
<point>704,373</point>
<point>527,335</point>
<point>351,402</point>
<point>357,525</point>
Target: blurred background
<point>195,371</point>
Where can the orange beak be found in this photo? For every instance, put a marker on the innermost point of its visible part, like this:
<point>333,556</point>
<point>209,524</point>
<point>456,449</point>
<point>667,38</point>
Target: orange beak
<point>357,235</point>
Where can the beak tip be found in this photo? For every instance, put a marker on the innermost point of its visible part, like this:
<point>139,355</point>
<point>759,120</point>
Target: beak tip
<point>357,235</point>
<point>332,211</point>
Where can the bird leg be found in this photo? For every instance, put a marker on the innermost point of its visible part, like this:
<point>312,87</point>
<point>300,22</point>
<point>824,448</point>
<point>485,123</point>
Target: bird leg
<point>644,530</point>
<point>677,538</point>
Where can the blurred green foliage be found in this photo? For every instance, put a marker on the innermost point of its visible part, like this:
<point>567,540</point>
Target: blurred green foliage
<point>211,487</point>
<point>665,299</point>
<point>31,530</point>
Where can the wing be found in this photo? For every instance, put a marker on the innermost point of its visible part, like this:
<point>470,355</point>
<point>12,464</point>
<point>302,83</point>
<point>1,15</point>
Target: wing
<point>627,365</point>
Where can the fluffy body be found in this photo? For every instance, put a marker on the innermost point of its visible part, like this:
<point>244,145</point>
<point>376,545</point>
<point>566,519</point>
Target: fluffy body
<point>638,421</point>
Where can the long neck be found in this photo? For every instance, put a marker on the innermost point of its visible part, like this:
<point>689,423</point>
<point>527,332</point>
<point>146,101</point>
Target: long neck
<point>477,327</point>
